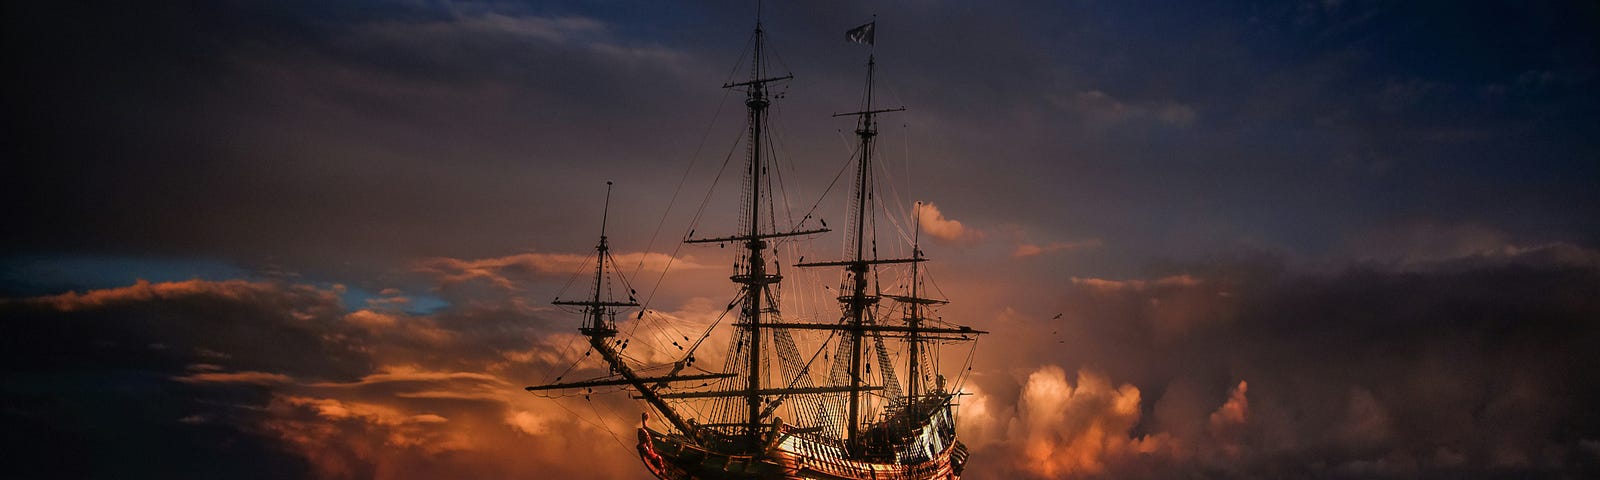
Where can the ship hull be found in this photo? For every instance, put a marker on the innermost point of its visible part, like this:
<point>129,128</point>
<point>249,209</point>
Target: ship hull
<point>671,457</point>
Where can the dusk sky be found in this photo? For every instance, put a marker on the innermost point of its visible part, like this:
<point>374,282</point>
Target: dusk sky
<point>317,239</point>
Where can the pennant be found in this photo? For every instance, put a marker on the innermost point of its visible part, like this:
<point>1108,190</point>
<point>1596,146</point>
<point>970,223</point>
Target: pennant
<point>861,34</point>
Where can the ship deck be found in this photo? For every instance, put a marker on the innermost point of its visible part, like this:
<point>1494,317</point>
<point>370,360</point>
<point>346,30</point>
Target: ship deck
<point>673,457</point>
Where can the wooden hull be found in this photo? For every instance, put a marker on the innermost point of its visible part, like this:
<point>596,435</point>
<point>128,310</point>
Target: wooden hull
<point>671,457</point>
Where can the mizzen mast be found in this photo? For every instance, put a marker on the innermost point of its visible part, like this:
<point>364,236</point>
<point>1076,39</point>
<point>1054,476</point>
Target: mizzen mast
<point>860,301</point>
<point>856,300</point>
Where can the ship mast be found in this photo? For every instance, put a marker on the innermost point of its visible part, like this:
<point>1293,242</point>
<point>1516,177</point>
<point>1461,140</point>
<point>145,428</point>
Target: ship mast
<point>753,278</point>
<point>736,431</point>
<point>914,320</point>
<point>756,281</point>
<point>599,324</point>
<point>914,305</point>
<point>858,301</point>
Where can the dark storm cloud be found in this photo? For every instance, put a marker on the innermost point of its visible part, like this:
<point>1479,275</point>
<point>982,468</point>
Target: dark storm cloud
<point>1466,366</point>
<point>1477,366</point>
<point>264,327</point>
<point>201,379</point>
<point>379,132</point>
<point>90,376</point>
<point>1281,126</point>
<point>1397,201</point>
<point>307,133</point>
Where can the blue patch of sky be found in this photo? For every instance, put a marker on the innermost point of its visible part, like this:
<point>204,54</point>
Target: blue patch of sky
<point>33,275</point>
<point>356,298</point>
<point>28,275</point>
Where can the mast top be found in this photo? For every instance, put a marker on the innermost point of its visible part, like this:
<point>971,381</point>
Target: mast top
<point>597,310</point>
<point>605,213</point>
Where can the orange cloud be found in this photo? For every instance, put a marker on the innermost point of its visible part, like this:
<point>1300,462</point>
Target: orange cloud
<point>1063,428</point>
<point>408,422</point>
<point>1172,306</point>
<point>1071,430</point>
<point>1106,286</point>
<point>1233,412</point>
<point>945,229</point>
<point>421,329</point>
<point>388,301</point>
<point>371,319</point>
<point>251,378</point>
<point>1367,421</point>
<point>334,409</point>
<point>500,271</point>
<point>401,374</point>
<point>144,291</point>
<point>1227,424</point>
<point>1029,249</point>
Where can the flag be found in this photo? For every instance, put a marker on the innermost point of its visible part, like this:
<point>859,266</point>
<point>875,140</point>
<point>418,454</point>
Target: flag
<point>861,34</point>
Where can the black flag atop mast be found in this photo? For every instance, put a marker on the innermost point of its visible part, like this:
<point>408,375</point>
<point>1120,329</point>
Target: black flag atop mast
<point>861,34</point>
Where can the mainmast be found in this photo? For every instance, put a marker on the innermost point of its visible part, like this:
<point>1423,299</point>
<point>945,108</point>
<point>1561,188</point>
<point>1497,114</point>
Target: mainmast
<point>758,301</point>
<point>915,437</point>
<point>753,278</point>
<point>756,282</point>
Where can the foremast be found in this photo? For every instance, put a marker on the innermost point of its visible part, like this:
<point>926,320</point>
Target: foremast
<point>599,325</point>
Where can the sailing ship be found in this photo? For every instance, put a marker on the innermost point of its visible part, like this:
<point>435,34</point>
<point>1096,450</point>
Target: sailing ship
<point>822,415</point>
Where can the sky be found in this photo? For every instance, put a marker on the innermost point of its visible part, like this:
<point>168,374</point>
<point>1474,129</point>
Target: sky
<point>308,239</point>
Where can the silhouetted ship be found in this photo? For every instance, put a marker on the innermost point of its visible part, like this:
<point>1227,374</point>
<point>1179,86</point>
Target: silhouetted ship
<point>806,416</point>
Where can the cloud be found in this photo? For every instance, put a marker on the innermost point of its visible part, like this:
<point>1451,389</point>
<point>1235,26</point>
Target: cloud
<point>1427,245</point>
<point>1108,286</point>
<point>1167,308</point>
<point>1367,421</point>
<point>270,370</point>
<point>334,409</point>
<point>254,378</point>
<point>340,140</point>
<point>144,291</point>
<point>1028,249</point>
<point>414,375</point>
<point>484,28</point>
<point>945,229</point>
<point>1092,428</point>
<point>1101,110</point>
<point>1364,369</point>
<point>1229,420</point>
<point>382,301</point>
<point>416,423</point>
<point>372,319</point>
<point>1233,412</point>
<point>506,272</point>
<point>1069,430</point>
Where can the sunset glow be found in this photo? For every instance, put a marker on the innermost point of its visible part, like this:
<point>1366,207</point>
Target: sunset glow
<point>1336,239</point>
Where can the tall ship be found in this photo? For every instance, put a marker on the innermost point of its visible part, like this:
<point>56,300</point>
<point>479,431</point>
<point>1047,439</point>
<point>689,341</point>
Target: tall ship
<point>857,389</point>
